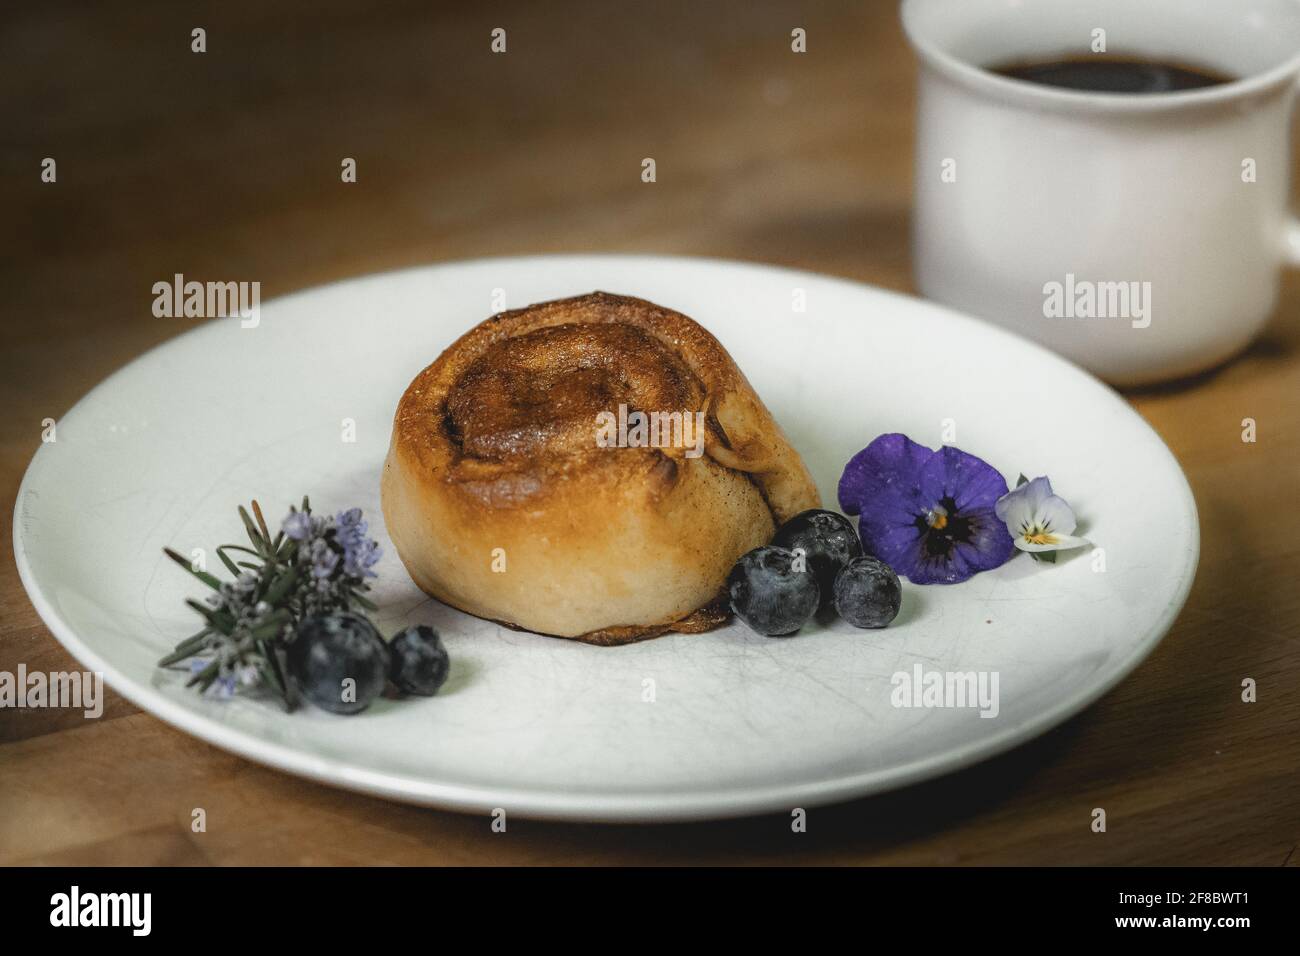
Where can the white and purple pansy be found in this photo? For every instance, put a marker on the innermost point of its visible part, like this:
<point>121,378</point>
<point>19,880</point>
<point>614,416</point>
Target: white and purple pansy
<point>1039,520</point>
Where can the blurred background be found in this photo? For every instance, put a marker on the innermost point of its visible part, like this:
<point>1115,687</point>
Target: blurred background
<point>226,164</point>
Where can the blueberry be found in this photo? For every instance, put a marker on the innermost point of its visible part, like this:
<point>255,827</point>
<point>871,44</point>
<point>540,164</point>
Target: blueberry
<point>420,662</point>
<point>769,595</point>
<point>829,542</point>
<point>330,650</point>
<point>867,593</point>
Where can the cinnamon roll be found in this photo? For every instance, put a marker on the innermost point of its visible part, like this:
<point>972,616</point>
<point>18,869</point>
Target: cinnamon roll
<point>587,468</point>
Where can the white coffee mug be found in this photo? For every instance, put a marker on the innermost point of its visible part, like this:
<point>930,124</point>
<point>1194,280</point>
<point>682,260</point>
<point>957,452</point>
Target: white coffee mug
<point>1141,235</point>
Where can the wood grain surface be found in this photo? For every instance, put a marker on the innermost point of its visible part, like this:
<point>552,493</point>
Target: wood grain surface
<point>227,164</point>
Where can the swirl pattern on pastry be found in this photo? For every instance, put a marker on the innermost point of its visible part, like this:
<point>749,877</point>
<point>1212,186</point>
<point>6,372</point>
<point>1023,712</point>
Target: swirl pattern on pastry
<point>503,502</point>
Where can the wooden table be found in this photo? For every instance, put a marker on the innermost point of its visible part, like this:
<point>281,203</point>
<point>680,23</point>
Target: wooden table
<point>227,164</point>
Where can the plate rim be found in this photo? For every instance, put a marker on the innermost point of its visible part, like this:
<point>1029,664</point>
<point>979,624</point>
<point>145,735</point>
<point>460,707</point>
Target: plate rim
<point>531,803</point>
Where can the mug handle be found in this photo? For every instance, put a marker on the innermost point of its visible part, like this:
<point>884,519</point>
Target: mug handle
<point>1293,241</point>
<point>1292,251</point>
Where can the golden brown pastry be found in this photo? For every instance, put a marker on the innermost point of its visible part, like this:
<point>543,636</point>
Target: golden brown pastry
<point>522,485</point>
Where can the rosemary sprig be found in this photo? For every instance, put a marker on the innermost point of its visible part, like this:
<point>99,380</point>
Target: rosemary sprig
<point>310,566</point>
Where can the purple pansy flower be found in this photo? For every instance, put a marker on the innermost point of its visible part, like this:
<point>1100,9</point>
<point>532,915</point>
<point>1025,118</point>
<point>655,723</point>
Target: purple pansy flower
<point>928,514</point>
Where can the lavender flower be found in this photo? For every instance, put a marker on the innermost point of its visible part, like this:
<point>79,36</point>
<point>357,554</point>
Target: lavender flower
<point>322,559</point>
<point>334,556</point>
<point>359,552</point>
<point>928,514</point>
<point>297,526</point>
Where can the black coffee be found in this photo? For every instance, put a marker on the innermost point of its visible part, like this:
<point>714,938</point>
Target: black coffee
<point>1108,74</point>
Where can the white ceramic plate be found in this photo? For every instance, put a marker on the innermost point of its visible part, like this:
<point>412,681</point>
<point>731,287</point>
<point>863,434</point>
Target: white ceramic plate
<point>163,451</point>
